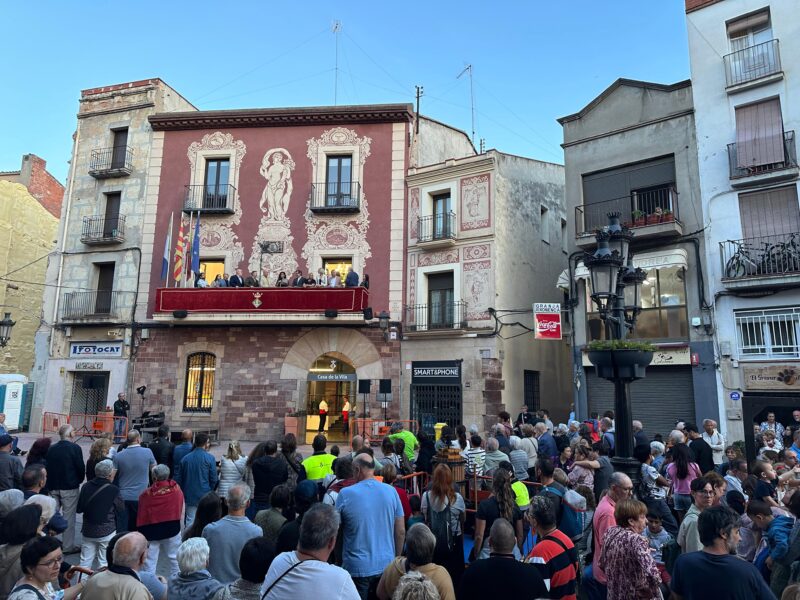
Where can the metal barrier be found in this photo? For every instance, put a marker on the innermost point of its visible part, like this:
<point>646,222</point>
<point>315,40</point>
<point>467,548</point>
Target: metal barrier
<point>414,483</point>
<point>52,422</point>
<point>374,430</point>
<point>86,425</point>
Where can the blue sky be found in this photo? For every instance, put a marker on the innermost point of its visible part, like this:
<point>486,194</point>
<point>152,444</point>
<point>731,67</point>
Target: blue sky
<point>533,61</point>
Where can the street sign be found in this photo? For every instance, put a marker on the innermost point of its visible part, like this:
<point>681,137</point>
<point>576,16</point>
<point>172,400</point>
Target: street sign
<point>735,396</point>
<point>547,320</point>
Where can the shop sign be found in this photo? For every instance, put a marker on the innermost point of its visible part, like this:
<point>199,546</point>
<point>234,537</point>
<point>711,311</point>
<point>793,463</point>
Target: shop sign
<point>436,372</point>
<point>110,349</point>
<point>547,320</point>
<point>331,376</point>
<point>88,366</point>
<point>662,357</point>
<point>772,377</point>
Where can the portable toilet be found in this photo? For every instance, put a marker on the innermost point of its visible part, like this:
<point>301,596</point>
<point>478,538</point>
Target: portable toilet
<point>12,399</point>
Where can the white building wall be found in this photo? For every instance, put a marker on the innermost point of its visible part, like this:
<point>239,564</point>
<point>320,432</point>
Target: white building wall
<point>716,128</point>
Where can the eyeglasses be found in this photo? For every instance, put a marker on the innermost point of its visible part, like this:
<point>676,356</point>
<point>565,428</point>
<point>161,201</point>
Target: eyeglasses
<point>705,492</point>
<point>51,563</point>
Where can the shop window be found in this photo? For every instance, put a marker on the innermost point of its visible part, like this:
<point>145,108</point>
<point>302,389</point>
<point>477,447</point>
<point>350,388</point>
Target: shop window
<point>198,395</point>
<point>663,301</point>
<point>768,333</point>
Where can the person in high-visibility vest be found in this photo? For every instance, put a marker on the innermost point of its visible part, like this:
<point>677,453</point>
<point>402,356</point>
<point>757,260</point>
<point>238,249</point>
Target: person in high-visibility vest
<point>323,415</point>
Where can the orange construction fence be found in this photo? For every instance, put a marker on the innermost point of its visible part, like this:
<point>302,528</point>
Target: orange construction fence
<point>414,483</point>
<point>374,430</point>
<point>86,425</point>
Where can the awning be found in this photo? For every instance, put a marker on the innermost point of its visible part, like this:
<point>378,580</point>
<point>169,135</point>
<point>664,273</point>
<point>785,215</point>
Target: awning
<point>657,259</point>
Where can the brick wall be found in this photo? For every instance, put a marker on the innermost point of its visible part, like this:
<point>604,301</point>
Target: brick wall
<point>251,398</point>
<point>698,4</point>
<point>41,185</point>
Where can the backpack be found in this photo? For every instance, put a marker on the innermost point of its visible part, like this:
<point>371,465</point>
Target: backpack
<point>642,489</point>
<point>669,554</point>
<point>571,521</point>
<point>441,525</point>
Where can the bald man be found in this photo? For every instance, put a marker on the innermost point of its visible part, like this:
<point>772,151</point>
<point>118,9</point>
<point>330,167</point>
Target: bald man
<point>187,439</point>
<point>121,581</point>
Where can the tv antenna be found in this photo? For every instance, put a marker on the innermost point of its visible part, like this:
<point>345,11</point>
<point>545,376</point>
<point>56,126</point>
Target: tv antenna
<point>468,69</point>
<point>336,27</point>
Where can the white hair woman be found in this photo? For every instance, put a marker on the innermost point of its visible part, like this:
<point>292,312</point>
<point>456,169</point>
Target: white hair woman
<point>657,449</point>
<point>194,581</point>
<point>415,586</point>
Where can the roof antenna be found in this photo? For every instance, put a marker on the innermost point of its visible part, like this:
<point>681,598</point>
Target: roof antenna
<point>468,69</point>
<point>336,27</point>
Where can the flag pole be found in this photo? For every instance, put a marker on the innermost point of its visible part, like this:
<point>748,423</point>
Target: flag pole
<point>185,255</point>
<point>169,248</point>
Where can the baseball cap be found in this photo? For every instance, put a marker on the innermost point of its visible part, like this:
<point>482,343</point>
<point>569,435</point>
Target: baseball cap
<point>5,440</point>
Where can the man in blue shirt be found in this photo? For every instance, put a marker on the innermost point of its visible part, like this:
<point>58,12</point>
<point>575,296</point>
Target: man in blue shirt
<point>716,571</point>
<point>196,474</point>
<point>372,525</point>
<point>133,466</point>
<point>181,450</point>
<point>352,278</point>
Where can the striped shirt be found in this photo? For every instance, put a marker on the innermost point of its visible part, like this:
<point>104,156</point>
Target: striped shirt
<point>556,558</point>
<point>475,459</point>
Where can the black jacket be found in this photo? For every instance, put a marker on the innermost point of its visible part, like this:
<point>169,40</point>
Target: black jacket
<point>268,471</point>
<point>10,472</point>
<point>162,450</point>
<point>65,468</point>
<point>235,281</point>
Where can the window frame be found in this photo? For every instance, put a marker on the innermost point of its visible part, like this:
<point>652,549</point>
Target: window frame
<point>338,197</point>
<point>208,362</point>
<point>763,322</point>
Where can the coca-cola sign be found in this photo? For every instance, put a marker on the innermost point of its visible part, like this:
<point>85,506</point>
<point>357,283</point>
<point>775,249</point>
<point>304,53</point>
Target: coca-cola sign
<point>547,320</point>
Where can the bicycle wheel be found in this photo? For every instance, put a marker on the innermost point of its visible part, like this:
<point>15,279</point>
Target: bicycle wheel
<point>735,267</point>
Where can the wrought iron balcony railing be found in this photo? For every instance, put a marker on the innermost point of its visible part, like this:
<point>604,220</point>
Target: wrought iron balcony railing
<point>429,317</point>
<point>336,197</point>
<point>789,159</point>
<point>646,207</point>
<point>102,305</point>
<point>755,62</point>
<point>766,255</point>
<point>209,198</point>
<point>111,162</point>
<point>441,226</point>
<point>100,229</point>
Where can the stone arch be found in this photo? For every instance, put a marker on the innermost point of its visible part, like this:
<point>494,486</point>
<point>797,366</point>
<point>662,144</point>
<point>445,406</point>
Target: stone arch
<point>351,344</point>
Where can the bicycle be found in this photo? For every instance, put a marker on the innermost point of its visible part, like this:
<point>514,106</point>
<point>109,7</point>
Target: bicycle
<point>744,261</point>
<point>783,257</point>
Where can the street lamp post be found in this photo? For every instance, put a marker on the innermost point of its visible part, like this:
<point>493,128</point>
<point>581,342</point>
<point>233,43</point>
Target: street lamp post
<point>616,288</point>
<point>5,329</point>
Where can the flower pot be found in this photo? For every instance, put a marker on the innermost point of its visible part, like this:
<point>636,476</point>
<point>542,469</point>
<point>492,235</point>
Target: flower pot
<point>667,218</point>
<point>639,222</point>
<point>623,364</point>
<point>653,219</point>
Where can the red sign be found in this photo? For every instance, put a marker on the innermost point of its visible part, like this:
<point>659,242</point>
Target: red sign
<point>547,321</point>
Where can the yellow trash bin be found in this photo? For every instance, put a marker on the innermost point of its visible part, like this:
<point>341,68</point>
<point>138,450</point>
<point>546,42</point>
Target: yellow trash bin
<point>438,430</point>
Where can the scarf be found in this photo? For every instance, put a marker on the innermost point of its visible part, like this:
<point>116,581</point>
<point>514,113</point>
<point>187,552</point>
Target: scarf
<point>160,503</point>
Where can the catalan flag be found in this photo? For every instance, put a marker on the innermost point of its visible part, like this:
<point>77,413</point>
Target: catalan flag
<point>180,249</point>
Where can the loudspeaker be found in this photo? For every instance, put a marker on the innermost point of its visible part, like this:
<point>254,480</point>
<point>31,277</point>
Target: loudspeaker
<point>368,315</point>
<point>180,314</point>
<point>331,313</point>
<point>364,386</point>
<point>385,386</point>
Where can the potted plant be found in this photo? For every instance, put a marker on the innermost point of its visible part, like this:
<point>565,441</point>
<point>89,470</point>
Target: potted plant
<point>638,218</point>
<point>655,216</point>
<point>624,359</point>
<point>295,422</point>
<point>667,216</point>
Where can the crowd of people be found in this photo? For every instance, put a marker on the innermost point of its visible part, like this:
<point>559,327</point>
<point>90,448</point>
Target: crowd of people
<point>539,513</point>
<point>323,278</point>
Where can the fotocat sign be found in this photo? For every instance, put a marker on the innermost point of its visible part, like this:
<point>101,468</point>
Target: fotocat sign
<point>547,320</point>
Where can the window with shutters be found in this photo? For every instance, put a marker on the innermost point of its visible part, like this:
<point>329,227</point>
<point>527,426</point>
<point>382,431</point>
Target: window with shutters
<point>753,51</point>
<point>770,333</point>
<point>773,212</point>
<point>198,394</point>
<point>761,143</point>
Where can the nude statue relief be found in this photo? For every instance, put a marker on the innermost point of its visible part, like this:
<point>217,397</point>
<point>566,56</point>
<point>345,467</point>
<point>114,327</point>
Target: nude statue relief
<point>277,168</point>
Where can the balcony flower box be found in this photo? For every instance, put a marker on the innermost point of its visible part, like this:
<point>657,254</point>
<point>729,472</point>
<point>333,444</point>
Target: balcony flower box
<point>620,359</point>
<point>639,219</point>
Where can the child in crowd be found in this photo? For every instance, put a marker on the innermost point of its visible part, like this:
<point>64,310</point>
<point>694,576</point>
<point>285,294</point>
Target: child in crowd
<point>656,535</point>
<point>416,511</point>
<point>335,450</point>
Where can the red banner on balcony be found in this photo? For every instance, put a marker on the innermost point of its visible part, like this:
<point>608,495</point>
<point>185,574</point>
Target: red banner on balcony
<point>261,300</point>
<point>547,321</point>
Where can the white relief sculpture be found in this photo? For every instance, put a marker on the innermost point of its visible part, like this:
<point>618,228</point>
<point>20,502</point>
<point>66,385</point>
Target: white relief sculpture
<point>277,168</point>
<point>338,232</point>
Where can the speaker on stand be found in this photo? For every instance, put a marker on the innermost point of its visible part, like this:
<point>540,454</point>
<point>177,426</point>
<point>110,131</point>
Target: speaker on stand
<point>363,389</point>
<point>384,388</point>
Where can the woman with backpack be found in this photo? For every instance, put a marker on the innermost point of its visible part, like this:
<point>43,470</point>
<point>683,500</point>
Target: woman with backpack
<point>444,511</point>
<point>293,460</point>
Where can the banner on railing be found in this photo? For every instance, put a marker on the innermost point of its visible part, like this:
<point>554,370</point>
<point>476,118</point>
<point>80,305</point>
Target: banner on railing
<point>547,320</point>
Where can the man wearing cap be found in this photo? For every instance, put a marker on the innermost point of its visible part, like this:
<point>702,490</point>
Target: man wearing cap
<point>373,526</point>
<point>14,440</point>
<point>10,466</point>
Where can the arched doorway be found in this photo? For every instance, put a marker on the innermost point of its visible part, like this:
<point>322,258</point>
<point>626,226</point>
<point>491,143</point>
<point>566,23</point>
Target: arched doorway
<point>331,378</point>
